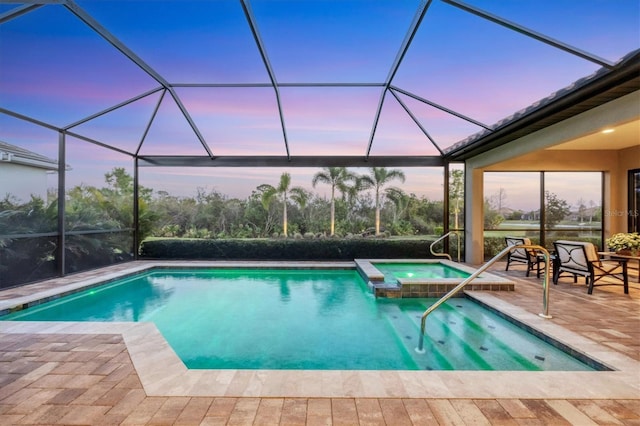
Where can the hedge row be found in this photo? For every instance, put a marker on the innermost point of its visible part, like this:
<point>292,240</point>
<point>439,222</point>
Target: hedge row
<point>285,249</point>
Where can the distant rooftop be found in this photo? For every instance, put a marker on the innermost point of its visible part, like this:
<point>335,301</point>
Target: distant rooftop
<point>14,154</point>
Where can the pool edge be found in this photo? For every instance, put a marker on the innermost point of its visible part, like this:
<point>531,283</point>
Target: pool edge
<point>148,349</point>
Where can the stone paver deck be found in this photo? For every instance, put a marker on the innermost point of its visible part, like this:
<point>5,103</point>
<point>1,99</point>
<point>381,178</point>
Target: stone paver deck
<point>52,374</point>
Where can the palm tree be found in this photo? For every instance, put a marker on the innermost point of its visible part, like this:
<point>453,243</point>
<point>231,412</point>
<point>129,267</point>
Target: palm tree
<point>269,193</point>
<point>301,197</point>
<point>456,194</point>
<point>377,179</point>
<point>399,199</point>
<point>336,177</point>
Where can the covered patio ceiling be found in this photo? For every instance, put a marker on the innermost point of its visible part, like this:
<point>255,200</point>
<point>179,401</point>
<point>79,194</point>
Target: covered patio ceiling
<point>313,83</point>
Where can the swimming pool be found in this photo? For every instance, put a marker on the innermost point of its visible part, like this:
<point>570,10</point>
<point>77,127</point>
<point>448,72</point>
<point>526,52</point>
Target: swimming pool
<point>303,319</point>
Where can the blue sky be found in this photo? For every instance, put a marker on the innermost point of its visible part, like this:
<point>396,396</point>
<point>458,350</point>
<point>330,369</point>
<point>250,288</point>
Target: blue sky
<point>55,69</point>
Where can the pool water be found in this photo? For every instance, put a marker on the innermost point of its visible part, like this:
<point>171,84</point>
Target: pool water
<point>303,319</point>
<point>393,271</point>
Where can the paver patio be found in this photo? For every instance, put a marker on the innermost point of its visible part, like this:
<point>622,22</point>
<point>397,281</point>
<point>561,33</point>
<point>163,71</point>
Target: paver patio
<point>62,378</point>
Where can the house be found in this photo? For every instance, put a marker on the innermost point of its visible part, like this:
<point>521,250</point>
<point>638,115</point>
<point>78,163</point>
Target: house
<point>24,173</point>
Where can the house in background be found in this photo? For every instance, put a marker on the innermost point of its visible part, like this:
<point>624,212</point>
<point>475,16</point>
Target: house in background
<point>24,173</point>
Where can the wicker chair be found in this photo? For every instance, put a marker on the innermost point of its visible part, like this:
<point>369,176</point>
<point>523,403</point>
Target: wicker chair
<point>580,258</point>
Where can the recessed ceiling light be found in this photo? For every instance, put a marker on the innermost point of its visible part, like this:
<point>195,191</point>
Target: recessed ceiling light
<point>608,130</point>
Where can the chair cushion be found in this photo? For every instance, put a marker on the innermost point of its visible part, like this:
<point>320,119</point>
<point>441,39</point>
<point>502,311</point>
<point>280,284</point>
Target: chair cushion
<point>518,253</point>
<point>589,248</point>
<point>571,256</point>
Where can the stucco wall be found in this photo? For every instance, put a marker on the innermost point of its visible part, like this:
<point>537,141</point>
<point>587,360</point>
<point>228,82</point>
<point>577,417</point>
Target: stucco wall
<point>23,181</point>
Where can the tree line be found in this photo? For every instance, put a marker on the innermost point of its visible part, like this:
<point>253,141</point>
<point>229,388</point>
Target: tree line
<point>358,204</point>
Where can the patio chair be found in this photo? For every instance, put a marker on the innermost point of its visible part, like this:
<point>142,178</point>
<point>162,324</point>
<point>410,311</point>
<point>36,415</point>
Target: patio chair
<point>526,256</point>
<point>581,258</point>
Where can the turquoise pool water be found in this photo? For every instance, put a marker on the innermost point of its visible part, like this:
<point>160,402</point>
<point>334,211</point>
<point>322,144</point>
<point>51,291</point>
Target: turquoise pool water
<point>303,319</point>
<point>393,270</point>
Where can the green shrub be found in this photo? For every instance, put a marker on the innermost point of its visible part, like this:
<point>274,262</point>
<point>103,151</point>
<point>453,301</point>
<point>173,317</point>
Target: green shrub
<point>492,246</point>
<point>285,249</point>
<point>197,233</point>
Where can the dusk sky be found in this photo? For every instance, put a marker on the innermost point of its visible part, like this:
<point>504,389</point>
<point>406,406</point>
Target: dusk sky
<point>57,70</point>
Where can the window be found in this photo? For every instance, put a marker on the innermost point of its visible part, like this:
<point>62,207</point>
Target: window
<point>542,206</point>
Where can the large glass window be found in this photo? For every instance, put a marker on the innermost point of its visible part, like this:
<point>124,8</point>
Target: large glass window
<point>573,207</point>
<point>511,208</point>
<point>542,206</point>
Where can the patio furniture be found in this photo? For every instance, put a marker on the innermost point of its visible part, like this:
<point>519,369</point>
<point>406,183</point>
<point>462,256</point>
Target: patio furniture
<point>527,256</point>
<point>613,255</point>
<point>581,258</point>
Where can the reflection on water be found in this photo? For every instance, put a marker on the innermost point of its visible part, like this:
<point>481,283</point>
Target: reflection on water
<point>128,300</point>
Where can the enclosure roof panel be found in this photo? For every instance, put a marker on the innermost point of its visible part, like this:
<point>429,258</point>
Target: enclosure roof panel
<point>354,78</point>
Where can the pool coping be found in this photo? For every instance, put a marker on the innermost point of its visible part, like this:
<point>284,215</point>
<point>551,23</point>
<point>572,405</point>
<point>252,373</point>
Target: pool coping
<point>367,267</point>
<point>148,349</point>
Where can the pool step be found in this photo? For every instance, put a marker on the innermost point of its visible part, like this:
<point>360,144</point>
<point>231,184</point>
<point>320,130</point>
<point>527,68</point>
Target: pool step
<point>408,333</point>
<point>478,339</point>
<point>509,339</point>
<point>452,341</point>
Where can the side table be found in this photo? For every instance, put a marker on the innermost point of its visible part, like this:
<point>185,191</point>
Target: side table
<point>613,255</point>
